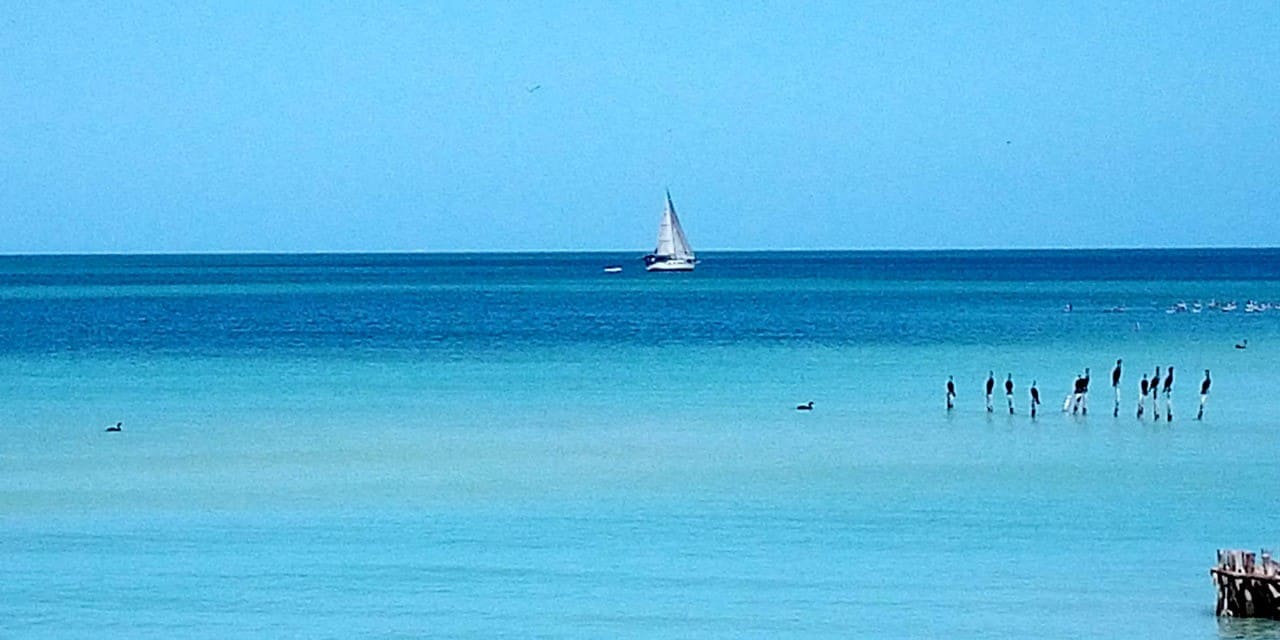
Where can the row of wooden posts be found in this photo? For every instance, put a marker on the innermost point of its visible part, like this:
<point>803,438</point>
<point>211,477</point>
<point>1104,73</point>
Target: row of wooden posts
<point>1248,584</point>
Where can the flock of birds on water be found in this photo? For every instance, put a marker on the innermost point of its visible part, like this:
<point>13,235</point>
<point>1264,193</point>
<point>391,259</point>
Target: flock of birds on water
<point>1250,306</point>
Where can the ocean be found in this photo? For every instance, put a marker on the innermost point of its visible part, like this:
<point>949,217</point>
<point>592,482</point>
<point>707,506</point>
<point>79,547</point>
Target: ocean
<point>520,445</point>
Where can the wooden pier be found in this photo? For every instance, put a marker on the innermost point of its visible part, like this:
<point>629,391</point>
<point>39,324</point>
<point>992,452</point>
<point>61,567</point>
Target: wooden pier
<point>1248,584</point>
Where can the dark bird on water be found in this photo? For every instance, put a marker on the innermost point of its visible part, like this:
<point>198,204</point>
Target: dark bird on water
<point>805,407</point>
<point>1243,345</point>
<point>119,426</point>
<point>534,88</point>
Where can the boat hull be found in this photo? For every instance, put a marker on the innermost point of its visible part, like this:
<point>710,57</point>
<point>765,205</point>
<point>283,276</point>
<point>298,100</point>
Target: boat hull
<point>670,265</point>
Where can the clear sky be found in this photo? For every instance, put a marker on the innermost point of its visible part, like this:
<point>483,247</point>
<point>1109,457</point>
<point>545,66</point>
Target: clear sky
<point>305,126</point>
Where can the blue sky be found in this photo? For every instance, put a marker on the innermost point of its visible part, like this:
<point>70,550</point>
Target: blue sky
<point>170,127</point>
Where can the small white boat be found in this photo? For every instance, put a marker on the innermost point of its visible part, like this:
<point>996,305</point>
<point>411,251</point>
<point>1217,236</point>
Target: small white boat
<point>613,268</point>
<point>673,252</point>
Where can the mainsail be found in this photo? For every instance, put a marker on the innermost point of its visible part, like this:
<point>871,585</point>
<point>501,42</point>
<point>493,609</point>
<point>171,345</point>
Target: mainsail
<point>672,243</point>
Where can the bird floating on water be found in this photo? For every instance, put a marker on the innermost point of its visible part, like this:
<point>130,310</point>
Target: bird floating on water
<point>119,426</point>
<point>805,407</point>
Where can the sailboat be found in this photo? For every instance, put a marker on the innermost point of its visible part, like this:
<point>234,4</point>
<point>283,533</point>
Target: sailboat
<point>673,252</point>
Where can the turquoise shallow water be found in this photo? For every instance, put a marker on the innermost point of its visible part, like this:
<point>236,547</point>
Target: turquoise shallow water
<point>479,446</point>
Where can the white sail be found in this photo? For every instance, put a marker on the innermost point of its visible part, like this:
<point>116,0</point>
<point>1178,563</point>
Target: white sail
<point>672,242</point>
<point>666,237</point>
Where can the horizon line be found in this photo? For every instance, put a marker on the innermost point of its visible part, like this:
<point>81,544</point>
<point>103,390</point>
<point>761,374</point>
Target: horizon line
<point>249,252</point>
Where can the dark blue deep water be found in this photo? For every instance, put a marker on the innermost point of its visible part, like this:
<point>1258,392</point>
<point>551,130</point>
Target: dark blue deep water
<point>246,304</point>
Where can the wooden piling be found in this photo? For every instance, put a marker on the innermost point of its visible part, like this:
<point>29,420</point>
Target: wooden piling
<point>1248,584</point>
